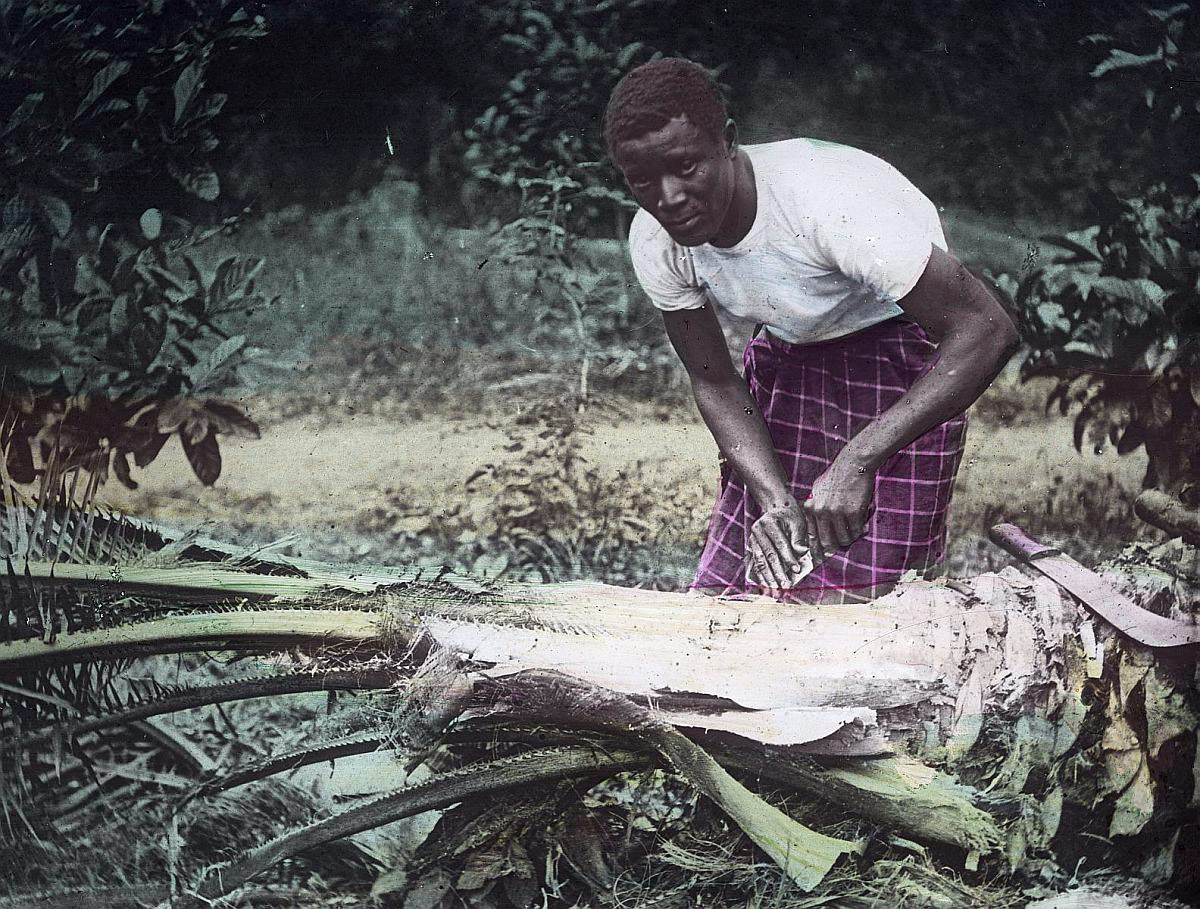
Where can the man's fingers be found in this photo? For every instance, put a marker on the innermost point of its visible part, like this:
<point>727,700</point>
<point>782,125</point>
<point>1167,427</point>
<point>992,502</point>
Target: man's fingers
<point>859,526</point>
<point>826,535</point>
<point>843,529</point>
<point>812,540</point>
<point>769,545</point>
<point>753,572</point>
<point>775,572</point>
<point>798,536</point>
<point>793,546</point>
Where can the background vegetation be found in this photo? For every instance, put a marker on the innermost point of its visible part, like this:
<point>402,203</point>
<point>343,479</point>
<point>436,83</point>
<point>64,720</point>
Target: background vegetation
<point>427,187</point>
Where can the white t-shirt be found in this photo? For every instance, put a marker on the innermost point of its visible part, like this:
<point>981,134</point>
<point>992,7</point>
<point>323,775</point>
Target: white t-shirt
<point>839,236</point>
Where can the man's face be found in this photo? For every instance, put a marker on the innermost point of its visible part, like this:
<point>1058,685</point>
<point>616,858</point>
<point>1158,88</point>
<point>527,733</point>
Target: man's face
<point>682,176</point>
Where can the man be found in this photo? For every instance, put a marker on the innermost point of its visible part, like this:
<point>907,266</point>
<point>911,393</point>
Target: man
<point>844,438</point>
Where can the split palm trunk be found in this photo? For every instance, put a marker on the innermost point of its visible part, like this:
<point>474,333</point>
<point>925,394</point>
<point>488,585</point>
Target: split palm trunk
<point>998,716</point>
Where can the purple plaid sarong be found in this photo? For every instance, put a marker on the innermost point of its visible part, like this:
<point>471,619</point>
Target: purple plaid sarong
<point>814,397</point>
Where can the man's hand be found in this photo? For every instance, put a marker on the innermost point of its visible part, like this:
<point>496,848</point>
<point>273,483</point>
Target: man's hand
<point>777,552</point>
<point>837,512</point>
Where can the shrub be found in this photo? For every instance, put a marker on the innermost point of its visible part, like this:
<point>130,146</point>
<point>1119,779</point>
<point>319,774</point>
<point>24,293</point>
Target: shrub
<point>1116,317</point>
<point>548,515</point>
<point>112,337</point>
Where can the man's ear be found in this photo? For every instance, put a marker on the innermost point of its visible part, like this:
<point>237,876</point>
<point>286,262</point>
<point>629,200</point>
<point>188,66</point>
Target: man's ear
<point>729,136</point>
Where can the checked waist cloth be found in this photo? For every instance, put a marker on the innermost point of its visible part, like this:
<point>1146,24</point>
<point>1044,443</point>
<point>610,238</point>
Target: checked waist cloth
<point>813,398</point>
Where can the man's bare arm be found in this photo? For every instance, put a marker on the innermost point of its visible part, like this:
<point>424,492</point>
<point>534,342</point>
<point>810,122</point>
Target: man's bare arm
<point>975,337</point>
<point>732,417</point>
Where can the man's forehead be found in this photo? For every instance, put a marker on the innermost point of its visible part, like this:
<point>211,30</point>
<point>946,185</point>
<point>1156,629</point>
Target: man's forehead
<point>677,137</point>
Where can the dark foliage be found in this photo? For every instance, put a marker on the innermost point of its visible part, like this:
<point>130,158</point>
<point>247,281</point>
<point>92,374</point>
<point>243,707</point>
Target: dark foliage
<point>1117,317</point>
<point>112,336</point>
<point>337,93</point>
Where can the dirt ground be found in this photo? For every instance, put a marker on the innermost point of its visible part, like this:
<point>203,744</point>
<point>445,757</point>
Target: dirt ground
<point>327,470</point>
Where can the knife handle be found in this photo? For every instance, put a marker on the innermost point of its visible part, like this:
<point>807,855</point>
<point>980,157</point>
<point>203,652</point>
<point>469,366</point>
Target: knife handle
<point>1013,540</point>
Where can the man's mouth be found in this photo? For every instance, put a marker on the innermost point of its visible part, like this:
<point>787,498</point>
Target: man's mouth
<point>683,224</point>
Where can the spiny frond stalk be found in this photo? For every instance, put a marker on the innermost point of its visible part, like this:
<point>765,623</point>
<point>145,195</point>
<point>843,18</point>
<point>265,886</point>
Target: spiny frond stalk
<point>202,581</point>
<point>292,760</point>
<point>256,631</point>
<point>293,683</point>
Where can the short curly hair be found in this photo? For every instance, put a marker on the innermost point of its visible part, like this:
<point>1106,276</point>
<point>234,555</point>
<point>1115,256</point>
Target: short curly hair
<point>653,94</point>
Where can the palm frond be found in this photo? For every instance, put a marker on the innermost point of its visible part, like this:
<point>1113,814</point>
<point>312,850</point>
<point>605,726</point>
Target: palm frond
<point>363,743</point>
<point>162,701</point>
<point>440,790</point>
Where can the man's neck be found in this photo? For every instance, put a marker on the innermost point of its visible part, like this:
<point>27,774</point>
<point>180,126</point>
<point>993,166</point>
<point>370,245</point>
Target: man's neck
<point>743,208</point>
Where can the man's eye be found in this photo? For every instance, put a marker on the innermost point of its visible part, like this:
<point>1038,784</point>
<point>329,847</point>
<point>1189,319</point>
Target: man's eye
<point>687,168</point>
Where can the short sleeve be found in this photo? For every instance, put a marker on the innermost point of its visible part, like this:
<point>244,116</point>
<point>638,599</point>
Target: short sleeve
<point>663,267</point>
<point>881,240</point>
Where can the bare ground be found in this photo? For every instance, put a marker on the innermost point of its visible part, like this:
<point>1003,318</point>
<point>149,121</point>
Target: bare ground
<point>325,473</point>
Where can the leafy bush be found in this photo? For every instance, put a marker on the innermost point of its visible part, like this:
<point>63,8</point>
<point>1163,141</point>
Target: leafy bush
<point>112,337</point>
<point>550,516</point>
<point>1116,318</point>
<point>541,144</point>
<point>542,136</point>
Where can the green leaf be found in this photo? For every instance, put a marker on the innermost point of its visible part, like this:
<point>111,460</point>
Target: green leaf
<point>187,86</point>
<point>1133,437</point>
<point>147,452</point>
<point>151,223</point>
<point>40,375</point>
<point>147,336</point>
<point>1135,805</point>
<point>167,282</point>
<point>118,317</point>
<point>1084,347</point>
<point>56,213</point>
<point>88,283</point>
<point>225,350</point>
<point>1119,59</point>
<point>16,211</point>
<point>1160,410</point>
<point>233,278</point>
<point>1080,242</point>
<point>518,41</point>
<point>23,112</point>
<point>211,107</point>
<point>228,418</point>
<point>195,277</point>
<point>1139,292</point>
<point>111,105</point>
<point>210,368</point>
<point>1167,13</point>
<point>540,18</point>
<point>204,456</point>
<point>625,57</point>
<point>101,82</point>
<point>19,461</point>
<point>201,182</point>
<point>120,463</point>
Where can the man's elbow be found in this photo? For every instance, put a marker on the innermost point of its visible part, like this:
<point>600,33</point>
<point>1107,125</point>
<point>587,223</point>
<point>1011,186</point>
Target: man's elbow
<point>996,342</point>
<point>1009,340</point>
<point>1000,319</point>
<point>987,341</point>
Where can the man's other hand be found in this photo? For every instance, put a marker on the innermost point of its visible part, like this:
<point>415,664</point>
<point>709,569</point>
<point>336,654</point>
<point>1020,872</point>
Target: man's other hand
<point>837,511</point>
<point>778,556</point>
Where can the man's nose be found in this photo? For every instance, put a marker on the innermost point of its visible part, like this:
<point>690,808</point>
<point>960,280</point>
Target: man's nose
<point>672,193</point>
